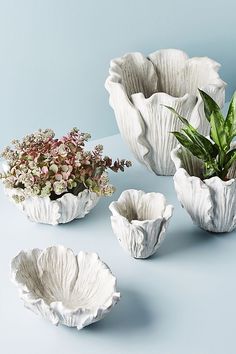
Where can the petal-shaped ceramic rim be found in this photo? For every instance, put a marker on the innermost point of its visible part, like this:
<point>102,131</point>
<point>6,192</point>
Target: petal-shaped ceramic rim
<point>207,190</point>
<point>25,293</point>
<point>92,197</point>
<point>115,78</point>
<point>214,65</point>
<point>114,207</point>
<point>141,146</point>
<point>163,97</point>
<point>205,182</point>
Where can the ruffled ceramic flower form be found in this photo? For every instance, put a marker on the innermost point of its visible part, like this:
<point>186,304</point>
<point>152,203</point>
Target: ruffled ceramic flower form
<point>140,221</point>
<point>63,288</point>
<point>56,180</point>
<point>62,210</point>
<point>140,86</point>
<point>211,203</point>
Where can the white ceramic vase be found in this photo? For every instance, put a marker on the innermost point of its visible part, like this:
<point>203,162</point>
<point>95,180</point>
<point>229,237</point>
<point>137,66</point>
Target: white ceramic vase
<point>139,220</point>
<point>211,203</point>
<point>140,86</point>
<point>59,211</point>
<point>63,288</point>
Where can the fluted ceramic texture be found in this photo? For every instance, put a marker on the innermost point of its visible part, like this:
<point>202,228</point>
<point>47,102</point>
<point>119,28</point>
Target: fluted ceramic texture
<point>211,203</point>
<point>140,86</point>
<point>63,288</point>
<point>59,211</point>
<point>139,220</point>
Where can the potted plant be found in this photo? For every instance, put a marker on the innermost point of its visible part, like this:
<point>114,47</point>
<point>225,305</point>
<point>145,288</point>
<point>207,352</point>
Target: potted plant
<point>205,178</point>
<point>138,88</point>
<point>56,180</point>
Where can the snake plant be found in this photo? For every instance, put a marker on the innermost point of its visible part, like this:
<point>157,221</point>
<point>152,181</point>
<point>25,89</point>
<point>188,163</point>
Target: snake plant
<point>216,152</point>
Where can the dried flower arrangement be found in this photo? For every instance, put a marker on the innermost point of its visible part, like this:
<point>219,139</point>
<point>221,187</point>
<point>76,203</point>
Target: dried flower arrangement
<point>41,165</point>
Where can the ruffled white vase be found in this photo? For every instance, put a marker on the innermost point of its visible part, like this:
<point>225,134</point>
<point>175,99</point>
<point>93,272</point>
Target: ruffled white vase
<point>211,203</point>
<point>140,220</point>
<point>140,86</point>
<point>62,210</point>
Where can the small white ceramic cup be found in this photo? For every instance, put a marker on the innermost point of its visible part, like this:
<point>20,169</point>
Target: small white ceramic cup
<point>139,220</point>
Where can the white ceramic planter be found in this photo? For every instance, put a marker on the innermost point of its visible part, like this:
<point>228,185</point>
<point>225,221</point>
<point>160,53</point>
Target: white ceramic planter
<point>63,288</point>
<point>139,220</point>
<point>59,211</point>
<point>211,203</point>
<point>140,86</point>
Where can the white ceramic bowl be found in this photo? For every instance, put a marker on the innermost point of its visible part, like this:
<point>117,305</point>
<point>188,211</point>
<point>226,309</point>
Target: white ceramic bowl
<point>139,87</point>
<point>63,288</point>
<point>59,211</point>
<point>139,220</point>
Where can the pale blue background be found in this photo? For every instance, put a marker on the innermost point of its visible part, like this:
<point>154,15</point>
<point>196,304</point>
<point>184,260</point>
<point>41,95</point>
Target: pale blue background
<point>54,54</point>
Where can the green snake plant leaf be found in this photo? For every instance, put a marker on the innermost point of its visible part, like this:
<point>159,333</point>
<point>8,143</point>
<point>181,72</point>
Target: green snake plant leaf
<point>202,142</point>
<point>191,146</point>
<point>218,133</point>
<point>209,104</point>
<point>230,158</point>
<point>230,120</point>
<point>211,169</point>
<point>215,153</point>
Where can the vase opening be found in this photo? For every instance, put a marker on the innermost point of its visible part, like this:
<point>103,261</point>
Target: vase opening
<point>195,167</point>
<point>147,207</point>
<point>190,163</point>
<point>66,285</point>
<point>166,71</point>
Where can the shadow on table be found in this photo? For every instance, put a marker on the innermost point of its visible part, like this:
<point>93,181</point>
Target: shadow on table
<point>185,239</point>
<point>130,314</point>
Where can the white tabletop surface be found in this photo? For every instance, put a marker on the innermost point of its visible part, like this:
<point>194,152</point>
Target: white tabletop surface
<point>180,301</point>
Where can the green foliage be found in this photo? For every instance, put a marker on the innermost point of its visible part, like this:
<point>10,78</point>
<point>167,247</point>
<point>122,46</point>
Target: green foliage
<point>216,152</point>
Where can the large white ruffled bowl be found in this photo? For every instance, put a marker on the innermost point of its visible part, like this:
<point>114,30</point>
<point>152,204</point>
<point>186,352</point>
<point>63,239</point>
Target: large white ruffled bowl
<point>140,86</point>
<point>63,288</point>
<point>140,220</point>
<point>211,203</point>
<point>53,212</point>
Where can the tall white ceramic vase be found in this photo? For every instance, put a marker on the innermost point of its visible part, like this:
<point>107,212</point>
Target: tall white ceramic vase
<point>139,87</point>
